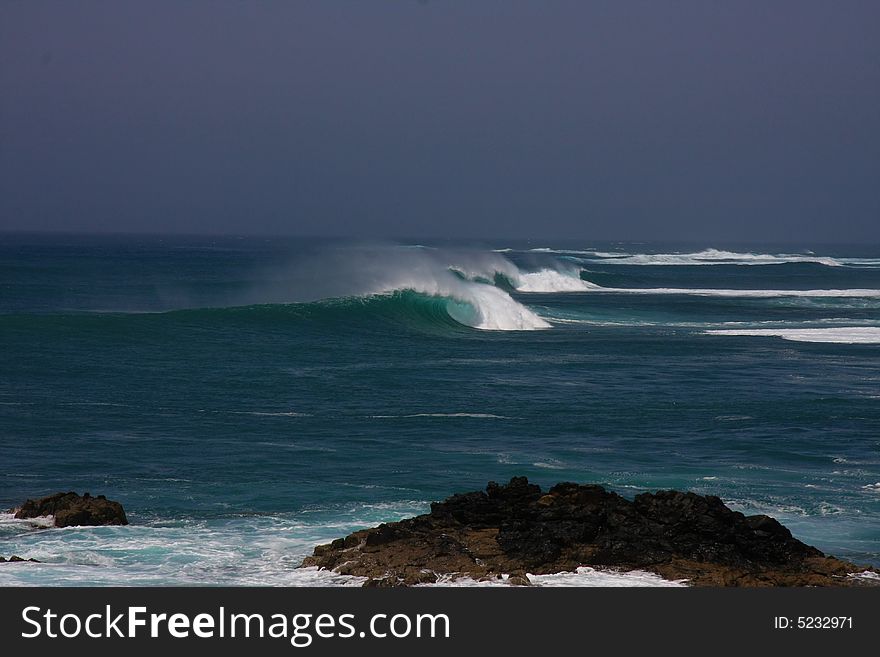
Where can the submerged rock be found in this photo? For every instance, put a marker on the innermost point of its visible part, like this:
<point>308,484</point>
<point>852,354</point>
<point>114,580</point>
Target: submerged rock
<point>518,528</point>
<point>70,509</point>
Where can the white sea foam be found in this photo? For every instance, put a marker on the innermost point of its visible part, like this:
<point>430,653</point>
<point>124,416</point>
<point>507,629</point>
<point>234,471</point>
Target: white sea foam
<point>550,280</point>
<point>496,310</point>
<point>583,577</point>
<point>8,521</point>
<point>235,550</point>
<point>840,335</point>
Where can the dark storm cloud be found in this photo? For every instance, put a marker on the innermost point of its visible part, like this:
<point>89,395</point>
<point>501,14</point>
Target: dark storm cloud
<point>618,119</point>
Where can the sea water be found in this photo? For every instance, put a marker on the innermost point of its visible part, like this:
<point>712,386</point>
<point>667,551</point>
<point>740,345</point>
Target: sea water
<point>247,398</point>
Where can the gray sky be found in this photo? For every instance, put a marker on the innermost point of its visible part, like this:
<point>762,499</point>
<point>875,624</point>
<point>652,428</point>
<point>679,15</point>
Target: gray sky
<point>617,119</point>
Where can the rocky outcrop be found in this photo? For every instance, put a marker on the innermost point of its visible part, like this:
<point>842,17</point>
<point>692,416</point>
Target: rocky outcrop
<point>17,559</point>
<point>70,509</point>
<point>517,529</point>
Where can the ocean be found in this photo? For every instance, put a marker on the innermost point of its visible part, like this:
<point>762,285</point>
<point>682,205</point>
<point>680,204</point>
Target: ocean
<point>249,398</point>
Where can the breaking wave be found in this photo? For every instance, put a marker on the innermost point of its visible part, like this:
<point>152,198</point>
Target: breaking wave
<point>709,257</point>
<point>459,284</point>
<point>486,308</point>
<point>550,280</point>
<point>474,304</point>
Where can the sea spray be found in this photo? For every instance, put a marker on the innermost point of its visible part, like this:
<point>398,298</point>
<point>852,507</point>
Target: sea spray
<point>462,277</point>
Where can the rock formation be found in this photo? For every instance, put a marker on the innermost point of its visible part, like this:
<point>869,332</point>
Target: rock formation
<point>70,509</point>
<point>517,529</point>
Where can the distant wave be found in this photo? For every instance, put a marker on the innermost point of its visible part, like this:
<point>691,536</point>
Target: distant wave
<point>713,257</point>
<point>745,293</point>
<point>837,335</point>
<point>708,257</point>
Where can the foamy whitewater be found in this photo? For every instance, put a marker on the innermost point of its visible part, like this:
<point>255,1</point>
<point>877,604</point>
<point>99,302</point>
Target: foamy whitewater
<point>841,335</point>
<point>249,399</point>
<point>549,280</point>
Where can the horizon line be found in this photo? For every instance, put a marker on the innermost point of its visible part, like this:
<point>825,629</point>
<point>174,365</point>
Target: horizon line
<point>430,238</point>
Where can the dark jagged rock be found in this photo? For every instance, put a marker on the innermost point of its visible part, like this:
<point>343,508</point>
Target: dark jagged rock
<point>70,509</point>
<point>517,528</point>
<point>17,559</point>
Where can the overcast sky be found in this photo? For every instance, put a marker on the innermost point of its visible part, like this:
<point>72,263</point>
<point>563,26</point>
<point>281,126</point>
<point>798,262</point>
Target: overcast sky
<point>700,120</point>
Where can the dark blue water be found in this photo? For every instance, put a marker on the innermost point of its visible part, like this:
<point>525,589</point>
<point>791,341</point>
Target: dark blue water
<point>247,399</point>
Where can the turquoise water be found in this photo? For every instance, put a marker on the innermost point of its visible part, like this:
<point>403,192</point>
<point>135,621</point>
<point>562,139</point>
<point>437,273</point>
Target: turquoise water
<point>246,399</point>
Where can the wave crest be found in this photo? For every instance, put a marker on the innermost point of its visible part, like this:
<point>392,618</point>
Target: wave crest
<point>550,280</point>
<point>461,281</point>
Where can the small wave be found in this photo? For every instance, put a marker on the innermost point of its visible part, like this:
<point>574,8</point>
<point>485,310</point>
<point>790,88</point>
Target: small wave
<point>484,416</point>
<point>874,488</point>
<point>840,335</point>
<point>278,414</point>
<point>258,413</point>
<point>548,465</point>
